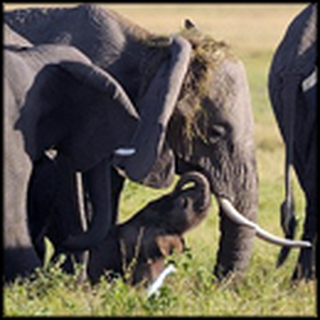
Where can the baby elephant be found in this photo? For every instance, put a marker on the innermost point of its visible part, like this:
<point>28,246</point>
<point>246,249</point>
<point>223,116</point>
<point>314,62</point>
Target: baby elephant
<point>135,249</point>
<point>139,245</point>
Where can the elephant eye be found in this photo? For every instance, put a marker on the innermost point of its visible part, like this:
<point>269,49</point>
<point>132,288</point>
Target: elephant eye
<point>216,132</point>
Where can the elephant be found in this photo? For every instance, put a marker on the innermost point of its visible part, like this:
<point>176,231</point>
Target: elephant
<point>140,245</point>
<point>135,249</point>
<point>292,87</point>
<point>36,84</point>
<point>85,130</point>
<point>210,129</point>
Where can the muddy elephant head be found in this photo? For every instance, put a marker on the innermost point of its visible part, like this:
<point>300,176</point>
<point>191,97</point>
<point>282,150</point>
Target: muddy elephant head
<point>137,248</point>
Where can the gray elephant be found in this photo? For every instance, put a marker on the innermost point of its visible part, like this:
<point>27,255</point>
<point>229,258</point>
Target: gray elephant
<point>293,95</point>
<point>211,127</point>
<point>42,112</point>
<point>135,249</point>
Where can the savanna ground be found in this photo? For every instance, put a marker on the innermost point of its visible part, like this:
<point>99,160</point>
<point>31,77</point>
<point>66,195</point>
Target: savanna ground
<point>253,30</point>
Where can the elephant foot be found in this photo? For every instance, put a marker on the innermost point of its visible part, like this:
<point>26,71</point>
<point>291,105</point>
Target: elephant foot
<point>227,277</point>
<point>19,262</point>
<point>302,273</point>
<point>306,267</point>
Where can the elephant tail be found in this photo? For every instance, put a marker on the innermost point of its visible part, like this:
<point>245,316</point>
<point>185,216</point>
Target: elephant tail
<point>287,213</point>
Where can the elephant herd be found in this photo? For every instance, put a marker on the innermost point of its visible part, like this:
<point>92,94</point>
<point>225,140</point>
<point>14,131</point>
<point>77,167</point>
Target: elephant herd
<point>92,99</point>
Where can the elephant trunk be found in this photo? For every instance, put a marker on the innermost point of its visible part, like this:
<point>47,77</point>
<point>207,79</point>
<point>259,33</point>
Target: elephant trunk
<point>201,186</point>
<point>237,237</point>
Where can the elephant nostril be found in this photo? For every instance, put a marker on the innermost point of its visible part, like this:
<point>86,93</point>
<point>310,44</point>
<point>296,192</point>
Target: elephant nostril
<point>183,202</point>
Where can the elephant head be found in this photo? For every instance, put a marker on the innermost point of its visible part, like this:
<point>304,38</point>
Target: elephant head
<point>139,245</point>
<point>211,130</point>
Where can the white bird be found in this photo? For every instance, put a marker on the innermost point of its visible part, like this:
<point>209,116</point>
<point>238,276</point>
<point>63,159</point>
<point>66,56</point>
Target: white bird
<point>154,287</point>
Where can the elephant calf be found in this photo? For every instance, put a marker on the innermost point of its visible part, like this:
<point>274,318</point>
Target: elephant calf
<point>135,249</point>
<point>141,244</point>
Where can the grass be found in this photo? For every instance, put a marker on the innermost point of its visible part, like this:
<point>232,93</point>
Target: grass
<point>264,292</point>
<point>253,31</point>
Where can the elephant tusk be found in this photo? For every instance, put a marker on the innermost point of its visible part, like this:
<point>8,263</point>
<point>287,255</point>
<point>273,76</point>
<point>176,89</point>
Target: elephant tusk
<point>125,152</point>
<point>154,287</point>
<point>237,217</point>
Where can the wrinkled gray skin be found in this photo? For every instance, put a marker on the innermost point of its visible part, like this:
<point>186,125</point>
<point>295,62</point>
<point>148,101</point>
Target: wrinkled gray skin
<point>293,95</point>
<point>84,128</point>
<point>37,82</point>
<point>136,248</point>
<point>223,149</point>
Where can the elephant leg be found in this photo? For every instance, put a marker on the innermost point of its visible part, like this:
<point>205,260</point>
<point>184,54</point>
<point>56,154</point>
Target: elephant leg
<point>53,207</point>
<point>305,164</point>
<point>19,261</point>
<point>306,265</point>
<point>19,255</point>
<point>117,184</point>
<point>98,186</point>
<point>41,193</point>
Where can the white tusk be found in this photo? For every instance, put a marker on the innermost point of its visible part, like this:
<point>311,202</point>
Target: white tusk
<point>125,152</point>
<point>154,287</point>
<point>237,217</point>
<point>51,153</point>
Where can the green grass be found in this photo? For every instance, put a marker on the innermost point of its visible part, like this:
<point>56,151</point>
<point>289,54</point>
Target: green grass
<point>253,31</point>
<point>189,291</point>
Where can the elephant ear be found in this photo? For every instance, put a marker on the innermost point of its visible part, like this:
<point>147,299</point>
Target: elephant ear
<point>157,244</point>
<point>108,117</point>
<point>156,107</point>
<point>168,244</point>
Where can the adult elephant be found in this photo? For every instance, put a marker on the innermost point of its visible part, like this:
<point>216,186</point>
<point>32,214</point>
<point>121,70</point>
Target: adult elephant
<point>55,98</point>
<point>293,91</point>
<point>211,128</point>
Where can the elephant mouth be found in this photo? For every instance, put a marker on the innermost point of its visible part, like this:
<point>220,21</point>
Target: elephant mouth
<point>234,215</point>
